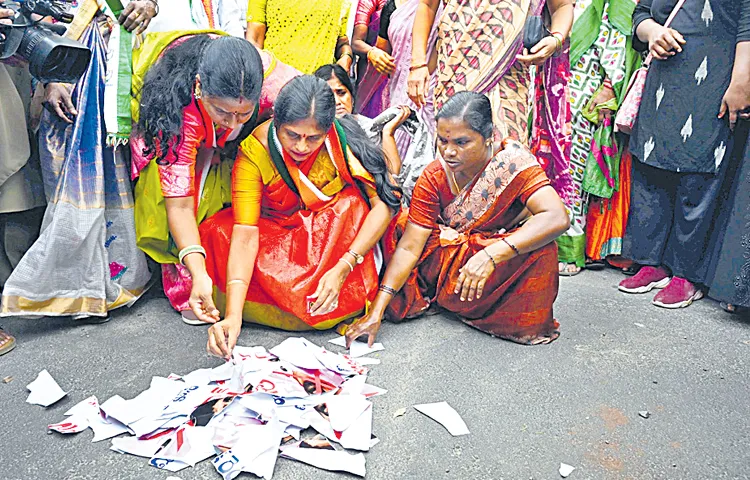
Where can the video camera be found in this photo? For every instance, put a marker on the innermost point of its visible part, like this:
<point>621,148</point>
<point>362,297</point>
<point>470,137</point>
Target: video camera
<point>51,57</point>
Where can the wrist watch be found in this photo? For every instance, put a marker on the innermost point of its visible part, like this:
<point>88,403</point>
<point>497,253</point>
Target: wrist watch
<point>357,257</point>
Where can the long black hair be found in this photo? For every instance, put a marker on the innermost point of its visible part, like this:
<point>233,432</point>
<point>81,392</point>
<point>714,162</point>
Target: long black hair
<point>229,67</point>
<point>471,107</point>
<point>310,97</point>
<point>335,70</point>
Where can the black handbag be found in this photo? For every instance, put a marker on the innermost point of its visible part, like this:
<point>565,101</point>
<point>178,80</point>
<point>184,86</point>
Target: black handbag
<point>534,31</point>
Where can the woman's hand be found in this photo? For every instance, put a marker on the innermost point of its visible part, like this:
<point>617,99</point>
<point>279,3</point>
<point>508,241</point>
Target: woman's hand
<point>381,61</point>
<point>57,100</point>
<point>605,95</point>
<point>473,276</point>
<point>390,127</point>
<point>663,41</point>
<point>222,337</point>
<point>417,85</point>
<point>364,326</point>
<point>345,62</point>
<point>540,52</point>
<point>137,15</point>
<point>326,296</point>
<point>736,102</point>
<point>201,299</point>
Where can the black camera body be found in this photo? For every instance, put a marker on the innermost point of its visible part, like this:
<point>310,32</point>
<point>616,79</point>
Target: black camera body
<point>51,57</point>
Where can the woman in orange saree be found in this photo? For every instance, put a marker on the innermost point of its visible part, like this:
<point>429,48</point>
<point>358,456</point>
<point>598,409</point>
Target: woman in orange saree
<point>463,249</point>
<point>311,197</point>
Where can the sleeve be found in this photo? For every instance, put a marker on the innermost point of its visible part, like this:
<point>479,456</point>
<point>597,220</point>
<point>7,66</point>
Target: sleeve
<point>642,12</point>
<point>346,9</point>
<point>425,201</point>
<point>178,171</point>
<point>385,19</point>
<point>743,27</point>
<point>535,180</point>
<point>247,185</point>
<point>256,11</point>
<point>365,9</point>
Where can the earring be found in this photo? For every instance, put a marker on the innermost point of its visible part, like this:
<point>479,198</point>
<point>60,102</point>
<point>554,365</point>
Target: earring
<point>197,93</point>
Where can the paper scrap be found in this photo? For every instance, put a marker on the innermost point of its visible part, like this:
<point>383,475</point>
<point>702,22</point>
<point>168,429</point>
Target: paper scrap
<point>644,413</point>
<point>44,390</point>
<point>566,470</point>
<point>358,349</point>
<point>399,413</point>
<point>368,361</point>
<point>320,454</point>
<point>445,415</point>
<point>7,379</point>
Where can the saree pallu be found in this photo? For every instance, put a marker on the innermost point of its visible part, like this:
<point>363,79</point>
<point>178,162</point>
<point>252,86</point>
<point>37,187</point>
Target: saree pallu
<point>85,261</point>
<point>295,252</point>
<point>477,46</point>
<point>520,293</point>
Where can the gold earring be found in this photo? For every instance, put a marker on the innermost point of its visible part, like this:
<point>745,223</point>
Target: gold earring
<point>198,91</point>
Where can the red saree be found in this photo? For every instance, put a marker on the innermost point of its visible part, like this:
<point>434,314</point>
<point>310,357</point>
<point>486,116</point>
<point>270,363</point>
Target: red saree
<point>301,238</point>
<point>518,298</point>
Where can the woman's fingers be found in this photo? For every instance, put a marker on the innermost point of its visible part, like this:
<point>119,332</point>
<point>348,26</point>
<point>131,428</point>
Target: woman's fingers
<point>480,288</point>
<point>678,36</point>
<point>217,342</point>
<point>672,41</point>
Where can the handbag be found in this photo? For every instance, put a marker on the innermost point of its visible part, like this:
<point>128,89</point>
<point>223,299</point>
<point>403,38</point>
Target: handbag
<point>628,111</point>
<point>534,31</point>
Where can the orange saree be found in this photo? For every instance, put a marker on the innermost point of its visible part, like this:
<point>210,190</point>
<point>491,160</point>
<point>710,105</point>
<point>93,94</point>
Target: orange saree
<point>307,216</point>
<point>518,298</point>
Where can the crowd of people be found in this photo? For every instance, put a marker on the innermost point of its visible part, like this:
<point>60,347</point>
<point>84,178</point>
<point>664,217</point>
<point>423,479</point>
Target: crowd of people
<point>285,166</point>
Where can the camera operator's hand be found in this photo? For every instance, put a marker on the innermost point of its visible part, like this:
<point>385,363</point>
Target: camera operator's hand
<point>57,100</point>
<point>137,15</point>
<point>6,14</point>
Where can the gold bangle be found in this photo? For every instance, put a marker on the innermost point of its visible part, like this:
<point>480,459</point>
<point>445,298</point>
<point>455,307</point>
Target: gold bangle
<point>233,282</point>
<point>348,263</point>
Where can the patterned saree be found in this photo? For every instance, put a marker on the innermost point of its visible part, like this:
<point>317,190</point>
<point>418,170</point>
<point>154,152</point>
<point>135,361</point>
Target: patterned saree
<point>478,41</point>
<point>519,294</point>
<point>305,227</point>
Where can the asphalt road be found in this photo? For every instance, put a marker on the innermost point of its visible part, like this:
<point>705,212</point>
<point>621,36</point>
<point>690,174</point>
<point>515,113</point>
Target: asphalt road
<point>528,408</point>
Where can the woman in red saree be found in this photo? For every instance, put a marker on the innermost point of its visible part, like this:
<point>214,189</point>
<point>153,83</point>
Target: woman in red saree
<point>311,197</point>
<point>463,249</point>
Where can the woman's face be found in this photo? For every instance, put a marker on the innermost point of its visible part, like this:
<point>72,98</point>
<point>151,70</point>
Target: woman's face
<point>463,149</point>
<point>301,138</point>
<point>344,100</point>
<point>228,113</point>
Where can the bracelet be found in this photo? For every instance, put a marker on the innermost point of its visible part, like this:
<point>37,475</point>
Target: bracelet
<point>348,263</point>
<point>491,259</point>
<point>387,289</point>
<point>512,247</point>
<point>559,39</point>
<point>233,282</point>
<point>417,67</point>
<point>156,6</point>
<point>346,54</point>
<point>188,250</point>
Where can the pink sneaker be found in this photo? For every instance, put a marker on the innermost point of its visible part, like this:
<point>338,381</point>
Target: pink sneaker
<point>647,279</point>
<point>679,293</point>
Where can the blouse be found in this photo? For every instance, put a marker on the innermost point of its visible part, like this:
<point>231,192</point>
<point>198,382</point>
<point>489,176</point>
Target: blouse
<point>302,34</point>
<point>366,9</point>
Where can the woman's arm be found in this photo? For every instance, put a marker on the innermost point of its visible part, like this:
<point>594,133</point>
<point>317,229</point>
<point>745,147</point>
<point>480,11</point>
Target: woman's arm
<point>736,101</point>
<point>662,42</point>
<point>256,22</point>
<point>562,21</point>
<point>390,149</point>
<point>380,57</point>
<point>374,226</point>
<point>243,252</point>
<point>549,220</point>
<point>184,229</point>
<point>419,72</point>
<point>344,55</point>
<point>359,44</point>
<point>404,260</point>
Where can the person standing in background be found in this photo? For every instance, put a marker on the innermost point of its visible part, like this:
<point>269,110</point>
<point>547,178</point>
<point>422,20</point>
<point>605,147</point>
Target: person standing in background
<point>371,84</point>
<point>304,35</point>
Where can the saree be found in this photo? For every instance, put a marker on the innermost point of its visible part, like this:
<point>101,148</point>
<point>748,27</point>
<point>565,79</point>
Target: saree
<point>478,43</point>
<point>520,293</point>
<point>372,91</point>
<point>85,261</point>
<point>307,216</point>
<point>600,49</point>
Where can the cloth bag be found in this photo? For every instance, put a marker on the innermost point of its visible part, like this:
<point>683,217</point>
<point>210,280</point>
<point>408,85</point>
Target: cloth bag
<point>628,112</point>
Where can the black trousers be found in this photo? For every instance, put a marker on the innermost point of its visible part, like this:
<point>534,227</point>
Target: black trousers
<point>671,219</point>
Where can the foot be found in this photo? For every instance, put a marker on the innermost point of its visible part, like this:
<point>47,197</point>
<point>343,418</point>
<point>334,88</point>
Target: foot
<point>679,293</point>
<point>647,279</point>
<point>7,342</point>
<point>568,269</point>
